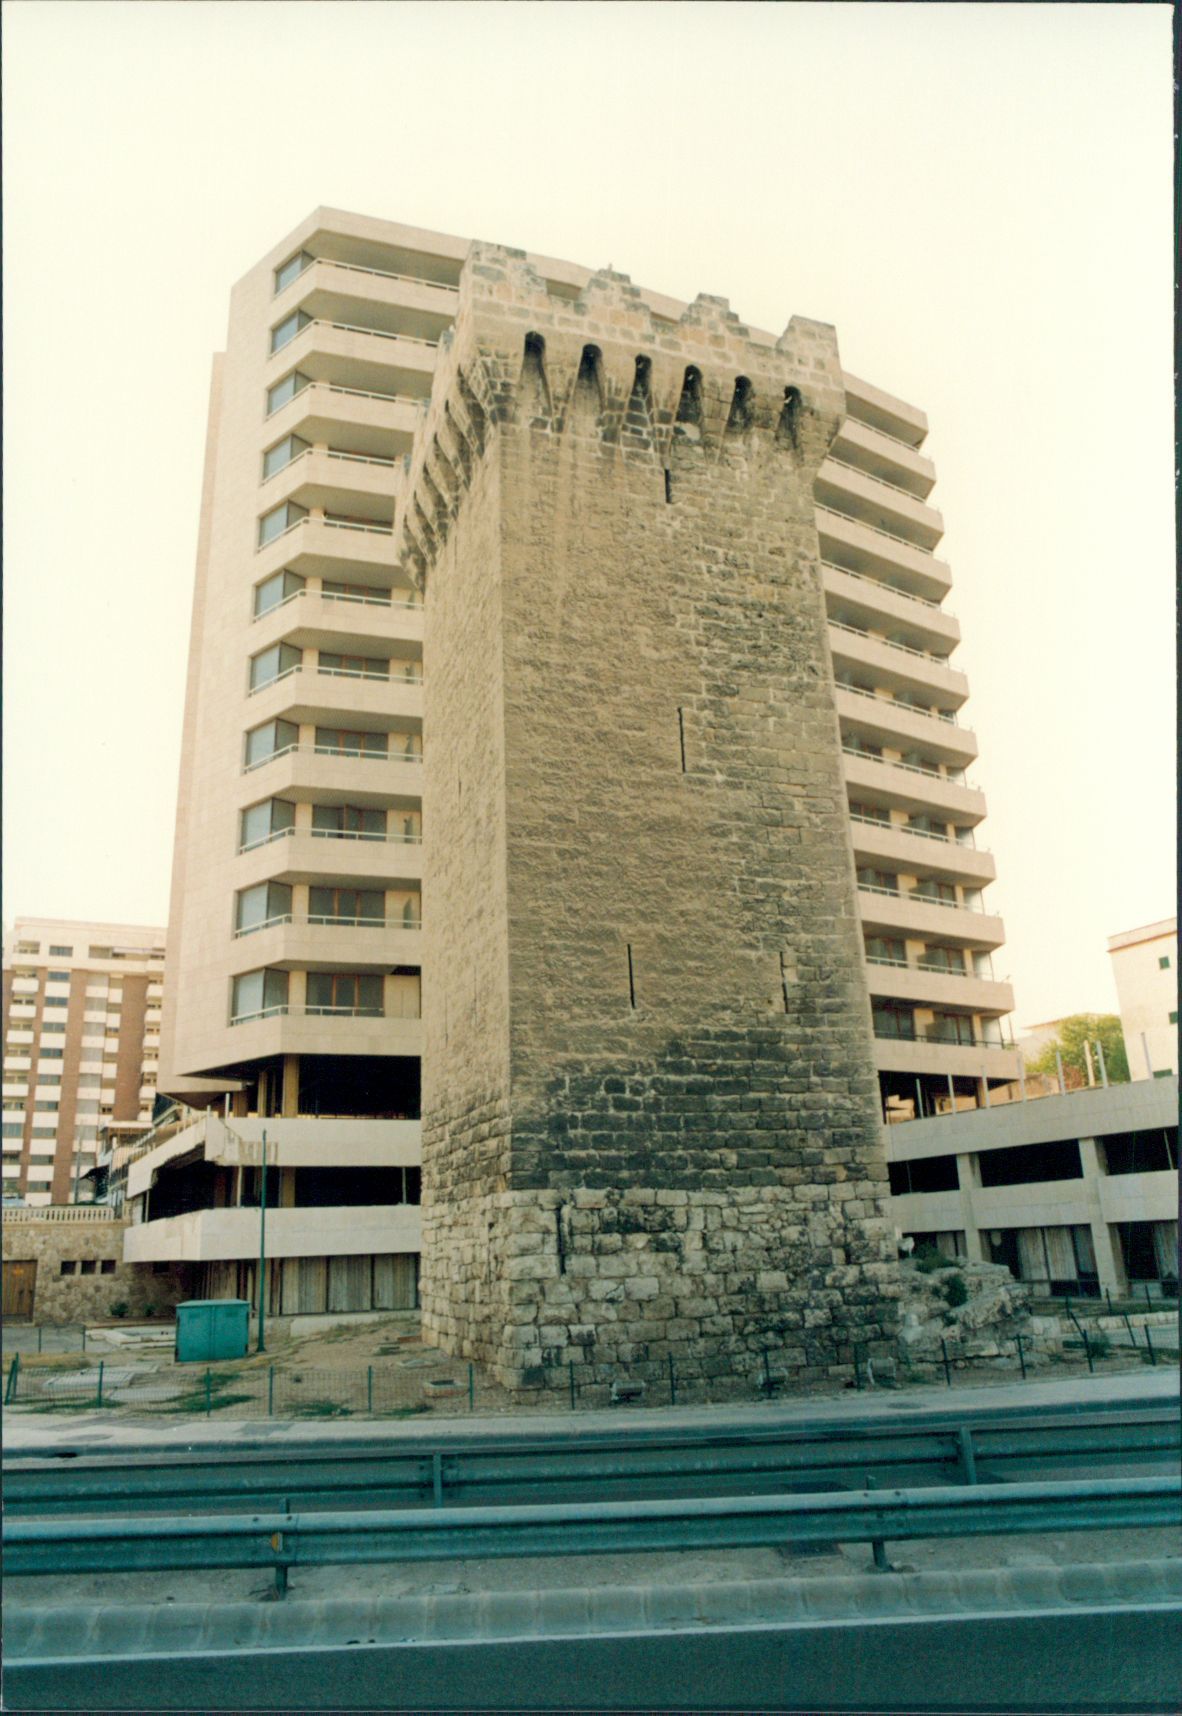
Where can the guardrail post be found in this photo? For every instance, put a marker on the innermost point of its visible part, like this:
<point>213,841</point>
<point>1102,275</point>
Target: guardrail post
<point>84,1337</point>
<point>878,1544</point>
<point>1021,1357</point>
<point>1149,1345</point>
<point>437,1479</point>
<point>571,1369</point>
<point>40,1333</point>
<point>471,1387</point>
<point>947,1366</point>
<point>100,1384</point>
<point>672,1383</point>
<point>207,1394</point>
<point>369,1389</point>
<point>968,1459</point>
<point>270,1390</point>
<point>277,1546</point>
<point>1087,1351</point>
<point>14,1371</point>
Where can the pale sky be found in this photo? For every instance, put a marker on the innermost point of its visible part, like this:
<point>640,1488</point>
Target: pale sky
<point>978,196</point>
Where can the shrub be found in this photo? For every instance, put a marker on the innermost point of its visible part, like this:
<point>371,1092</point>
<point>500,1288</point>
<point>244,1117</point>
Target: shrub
<point>119,1308</point>
<point>149,1310</point>
<point>955,1292</point>
<point>1100,1344</point>
<point>927,1258</point>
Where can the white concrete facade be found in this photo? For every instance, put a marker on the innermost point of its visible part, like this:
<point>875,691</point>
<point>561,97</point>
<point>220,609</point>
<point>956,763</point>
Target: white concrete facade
<point>1145,967</point>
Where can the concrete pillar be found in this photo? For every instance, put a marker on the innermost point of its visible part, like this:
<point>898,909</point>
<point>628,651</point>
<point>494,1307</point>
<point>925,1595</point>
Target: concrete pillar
<point>974,1250</point>
<point>291,1086</point>
<point>1106,1245</point>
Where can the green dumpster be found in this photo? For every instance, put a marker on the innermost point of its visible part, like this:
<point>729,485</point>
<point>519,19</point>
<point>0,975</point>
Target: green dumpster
<point>212,1329</point>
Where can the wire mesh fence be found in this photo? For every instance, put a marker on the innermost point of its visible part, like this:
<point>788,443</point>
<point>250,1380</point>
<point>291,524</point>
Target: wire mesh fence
<point>435,1384</point>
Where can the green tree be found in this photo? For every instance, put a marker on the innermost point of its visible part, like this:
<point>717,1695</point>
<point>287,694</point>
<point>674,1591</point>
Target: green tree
<point>1070,1038</point>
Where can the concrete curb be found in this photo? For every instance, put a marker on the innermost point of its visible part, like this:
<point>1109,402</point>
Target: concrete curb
<point>116,1630</point>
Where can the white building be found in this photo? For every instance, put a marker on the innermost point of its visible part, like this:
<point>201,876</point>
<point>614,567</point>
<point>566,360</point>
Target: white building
<point>1145,966</point>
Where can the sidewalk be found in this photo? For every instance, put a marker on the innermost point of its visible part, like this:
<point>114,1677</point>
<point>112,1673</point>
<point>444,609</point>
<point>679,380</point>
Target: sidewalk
<point>30,1432</point>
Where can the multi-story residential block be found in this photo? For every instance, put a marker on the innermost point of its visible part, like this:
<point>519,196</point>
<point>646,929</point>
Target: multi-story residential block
<point>294,962</point>
<point>82,1005</point>
<point>1145,966</point>
<point>1077,1194</point>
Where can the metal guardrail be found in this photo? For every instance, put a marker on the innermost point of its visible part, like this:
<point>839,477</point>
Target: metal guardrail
<point>603,1467</point>
<point>282,1540</point>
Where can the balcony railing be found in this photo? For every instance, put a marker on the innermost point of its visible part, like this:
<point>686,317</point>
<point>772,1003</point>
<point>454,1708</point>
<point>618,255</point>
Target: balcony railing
<point>341,921</point>
<point>356,328</point>
<point>885,433</point>
<point>266,839</point>
<point>930,1040</point>
<point>898,703</point>
<point>284,1009</point>
<point>379,601</point>
<point>368,673</point>
<point>378,273</point>
<point>898,489</point>
<point>881,584</point>
<point>371,528</point>
<point>351,393</point>
<point>266,684</point>
<point>919,833</point>
<point>887,643</point>
<point>335,751</point>
<point>956,779</point>
<point>852,518</point>
<point>912,896</point>
<point>362,834</point>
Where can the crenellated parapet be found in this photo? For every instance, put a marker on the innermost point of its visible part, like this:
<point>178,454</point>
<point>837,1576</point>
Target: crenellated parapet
<point>520,359</point>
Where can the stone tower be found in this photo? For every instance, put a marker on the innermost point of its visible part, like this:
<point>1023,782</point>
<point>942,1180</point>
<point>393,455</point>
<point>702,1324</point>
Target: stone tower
<point>650,1121</point>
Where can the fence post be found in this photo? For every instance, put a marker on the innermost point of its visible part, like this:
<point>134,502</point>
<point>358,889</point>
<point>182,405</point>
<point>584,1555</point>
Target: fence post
<point>1149,1345</point>
<point>672,1383</point>
<point>1108,1298</point>
<point>947,1366</point>
<point>471,1386</point>
<point>571,1369</point>
<point>270,1390</point>
<point>100,1383</point>
<point>207,1394</point>
<point>877,1544</point>
<point>14,1371</point>
<point>968,1458</point>
<point>1129,1327</point>
<point>1087,1350</point>
<point>277,1545</point>
<point>1148,1305</point>
<point>1021,1357</point>
<point>40,1333</point>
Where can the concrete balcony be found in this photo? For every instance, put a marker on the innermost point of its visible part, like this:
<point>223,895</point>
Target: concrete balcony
<point>877,503</point>
<point>898,668</point>
<point>1139,1197</point>
<point>299,1141</point>
<point>940,989</point>
<point>892,417</point>
<point>901,788</point>
<point>303,856</point>
<point>343,292</point>
<point>301,945</point>
<point>920,854</point>
<point>886,722</point>
<point>928,1212</point>
<point>884,457</point>
<point>319,548</point>
<point>898,1054</point>
<point>905,916</point>
<point>883,608</point>
<point>381,424</point>
<point>363,487</point>
<point>881,555</point>
<point>370,358</point>
<point>207,1235</point>
<point>299,1033</point>
<point>329,698</point>
<point>329,777</point>
<point>344,624</point>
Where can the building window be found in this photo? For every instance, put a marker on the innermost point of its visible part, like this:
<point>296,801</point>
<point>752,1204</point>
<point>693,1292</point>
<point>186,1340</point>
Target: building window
<point>68,1266</point>
<point>1174,1017</point>
<point>61,953</point>
<point>270,820</point>
<point>57,1000</point>
<point>1164,962</point>
<point>285,331</point>
<point>285,390</point>
<point>892,1019</point>
<point>280,518</point>
<point>160,1268</point>
<point>107,1266</point>
<point>273,592</point>
<point>340,742</point>
<point>292,269</point>
<point>925,1174</point>
<point>354,666</point>
<point>272,739</point>
<point>348,822</point>
<point>283,453</point>
<point>344,992</point>
<point>274,663</point>
<point>267,903</point>
<point>87,1266</point>
<point>346,905</point>
<point>258,994</point>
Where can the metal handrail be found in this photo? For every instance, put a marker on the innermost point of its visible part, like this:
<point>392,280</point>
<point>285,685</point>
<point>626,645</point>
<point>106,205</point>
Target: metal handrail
<point>336,751</point>
<point>832,458</point>
<point>823,506</point>
<point>355,328</point>
<point>285,1008</point>
<point>368,601</point>
<point>360,458</point>
<point>353,524</point>
<point>363,834</point>
<point>886,435</point>
<point>332,1538</point>
<point>275,606</point>
<point>380,273</point>
<point>889,643</point>
<point>350,392</point>
<point>351,673</point>
<point>881,584</point>
<point>911,768</point>
<point>898,702</point>
<point>276,834</point>
<point>253,690</point>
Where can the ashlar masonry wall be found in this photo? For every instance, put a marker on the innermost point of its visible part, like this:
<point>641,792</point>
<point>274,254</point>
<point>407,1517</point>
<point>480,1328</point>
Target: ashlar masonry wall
<point>650,1120</point>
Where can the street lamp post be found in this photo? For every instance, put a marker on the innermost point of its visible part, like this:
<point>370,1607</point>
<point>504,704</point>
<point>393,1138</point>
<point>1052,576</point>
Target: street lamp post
<point>262,1345</point>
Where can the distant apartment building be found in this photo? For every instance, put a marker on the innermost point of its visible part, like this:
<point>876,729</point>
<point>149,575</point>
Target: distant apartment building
<point>82,1006</point>
<point>1145,966</point>
<point>294,960</point>
<point>1076,1194</point>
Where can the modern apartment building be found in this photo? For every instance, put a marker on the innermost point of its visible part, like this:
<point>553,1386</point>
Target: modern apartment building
<point>294,960</point>
<point>82,1006</point>
<point>1145,966</point>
